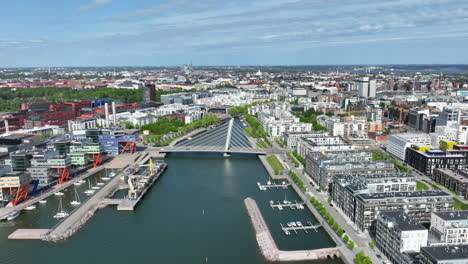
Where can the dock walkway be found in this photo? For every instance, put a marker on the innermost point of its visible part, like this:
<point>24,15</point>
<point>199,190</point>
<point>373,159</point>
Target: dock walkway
<point>268,246</point>
<point>82,214</point>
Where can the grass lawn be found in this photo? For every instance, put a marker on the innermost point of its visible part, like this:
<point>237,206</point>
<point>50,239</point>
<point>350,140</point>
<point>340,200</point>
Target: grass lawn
<point>458,205</point>
<point>275,164</point>
<point>261,144</point>
<point>421,186</point>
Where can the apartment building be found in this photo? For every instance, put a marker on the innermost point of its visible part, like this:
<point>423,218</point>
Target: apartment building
<point>450,227</point>
<point>399,236</point>
<point>418,204</point>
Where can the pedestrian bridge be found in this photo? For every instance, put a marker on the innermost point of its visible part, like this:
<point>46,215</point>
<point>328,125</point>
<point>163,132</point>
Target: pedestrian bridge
<point>229,137</point>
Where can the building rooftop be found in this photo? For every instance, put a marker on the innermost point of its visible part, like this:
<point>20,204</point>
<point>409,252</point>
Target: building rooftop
<point>413,194</point>
<point>453,216</point>
<point>447,252</point>
<point>403,221</point>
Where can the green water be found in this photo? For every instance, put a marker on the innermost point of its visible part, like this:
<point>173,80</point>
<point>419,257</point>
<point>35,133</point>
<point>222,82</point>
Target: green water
<point>193,214</point>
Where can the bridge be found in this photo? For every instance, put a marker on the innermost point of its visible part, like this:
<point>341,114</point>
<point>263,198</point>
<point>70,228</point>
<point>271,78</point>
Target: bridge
<point>228,137</point>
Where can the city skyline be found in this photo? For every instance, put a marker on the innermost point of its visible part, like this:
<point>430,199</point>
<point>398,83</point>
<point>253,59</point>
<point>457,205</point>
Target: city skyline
<point>210,32</point>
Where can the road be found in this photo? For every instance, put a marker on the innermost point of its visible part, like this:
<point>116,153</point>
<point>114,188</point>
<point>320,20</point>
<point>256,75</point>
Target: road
<point>361,239</point>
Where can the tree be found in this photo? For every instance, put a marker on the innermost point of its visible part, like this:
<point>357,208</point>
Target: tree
<point>346,238</point>
<point>329,199</point>
<point>351,245</point>
<point>372,243</point>
<point>336,227</point>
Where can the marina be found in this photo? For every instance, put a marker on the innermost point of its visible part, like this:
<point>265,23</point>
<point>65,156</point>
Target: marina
<point>218,183</point>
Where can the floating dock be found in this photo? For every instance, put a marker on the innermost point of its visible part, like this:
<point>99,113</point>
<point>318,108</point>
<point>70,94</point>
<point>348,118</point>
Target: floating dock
<point>293,206</point>
<point>267,186</point>
<point>287,229</point>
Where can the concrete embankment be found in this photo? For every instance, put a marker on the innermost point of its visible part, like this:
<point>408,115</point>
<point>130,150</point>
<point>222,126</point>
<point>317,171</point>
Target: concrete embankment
<point>268,246</point>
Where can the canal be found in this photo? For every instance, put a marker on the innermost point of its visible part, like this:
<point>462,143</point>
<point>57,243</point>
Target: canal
<point>193,214</point>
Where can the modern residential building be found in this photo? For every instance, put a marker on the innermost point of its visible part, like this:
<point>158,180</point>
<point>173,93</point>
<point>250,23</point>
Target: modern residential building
<point>346,186</point>
<point>449,227</point>
<point>291,138</point>
<point>397,144</point>
<point>366,87</point>
<point>11,180</point>
<point>455,254</point>
<point>399,236</point>
<point>456,181</point>
<point>427,161</point>
<point>45,165</point>
<point>418,204</point>
<point>307,145</point>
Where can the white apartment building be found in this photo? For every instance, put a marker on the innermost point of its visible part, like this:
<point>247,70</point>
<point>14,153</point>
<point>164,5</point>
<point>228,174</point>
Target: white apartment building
<point>450,227</point>
<point>397,144</point>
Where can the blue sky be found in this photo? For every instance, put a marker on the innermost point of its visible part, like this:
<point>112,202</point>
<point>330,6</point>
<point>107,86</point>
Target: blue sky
<point>237,32</point>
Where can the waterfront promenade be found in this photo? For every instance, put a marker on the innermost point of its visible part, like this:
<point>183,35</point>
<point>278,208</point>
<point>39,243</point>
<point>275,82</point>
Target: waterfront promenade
<point>268,246</point>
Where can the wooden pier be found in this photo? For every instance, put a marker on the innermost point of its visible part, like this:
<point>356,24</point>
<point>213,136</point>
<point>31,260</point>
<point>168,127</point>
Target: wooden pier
<point>287,229</point>
<point>293,206</point>
<point>265,187</point>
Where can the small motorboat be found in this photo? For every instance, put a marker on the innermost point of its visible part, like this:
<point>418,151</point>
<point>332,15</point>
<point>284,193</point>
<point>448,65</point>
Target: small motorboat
<point>105,178</point>
<point>30,208</point>
<point>100,183</point>
<point>13,215</point>
<point>43,201</point>
<point>95,187</point>
<point>298,223</point>
<point>112,174</point>
<point>59,193</point>
<point>89,192</point>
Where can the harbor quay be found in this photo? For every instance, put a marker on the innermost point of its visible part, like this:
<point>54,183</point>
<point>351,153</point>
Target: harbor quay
<point>268,246</point>
<point>137,178</point>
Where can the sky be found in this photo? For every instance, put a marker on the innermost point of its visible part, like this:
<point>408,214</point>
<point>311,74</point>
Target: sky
<point>51,33</point>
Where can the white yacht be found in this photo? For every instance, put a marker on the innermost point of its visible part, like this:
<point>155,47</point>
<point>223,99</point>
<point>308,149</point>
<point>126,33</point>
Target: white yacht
<point>112,174</point>
<point>100,183</point>
<point>298,223</point>
<point>43,201</point>
<point>105,178</point>
<point>60,212</point>
<point>30,208</point>
<point>95,187</point>
<point>59,193</point>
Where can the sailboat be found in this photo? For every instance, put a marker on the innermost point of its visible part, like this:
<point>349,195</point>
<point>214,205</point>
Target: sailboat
<point>90,190</point>
<point>77,200</point>
<point>285,201</point>
<point>60,212</point>
<point>106,178</point>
